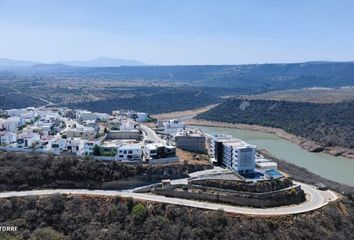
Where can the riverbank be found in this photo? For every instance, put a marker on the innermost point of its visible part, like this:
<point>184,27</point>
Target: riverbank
<point>301,174</point>
<point>306,144</point>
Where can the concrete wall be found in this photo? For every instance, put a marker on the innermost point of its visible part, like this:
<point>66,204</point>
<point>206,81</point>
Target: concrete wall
<point>274,199</point>
<point>16,149</point>
<point>191,143</point>
<point>242,186</point>
<point>164,160</point>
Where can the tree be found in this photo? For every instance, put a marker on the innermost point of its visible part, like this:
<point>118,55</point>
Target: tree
<point>139,213</point>
<point>47,233</point>
<point>97,151</point>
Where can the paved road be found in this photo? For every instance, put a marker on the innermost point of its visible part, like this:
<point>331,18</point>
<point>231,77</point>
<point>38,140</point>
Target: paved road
<point>151,135</point>
<point>315,200</point>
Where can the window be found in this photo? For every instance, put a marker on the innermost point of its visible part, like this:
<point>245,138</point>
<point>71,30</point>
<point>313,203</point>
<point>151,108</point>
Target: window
<point>130,151</point>
<point>121,156</point>
<point>125,151</point>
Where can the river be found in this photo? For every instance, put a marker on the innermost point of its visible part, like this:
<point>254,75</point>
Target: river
<point>339,169</point>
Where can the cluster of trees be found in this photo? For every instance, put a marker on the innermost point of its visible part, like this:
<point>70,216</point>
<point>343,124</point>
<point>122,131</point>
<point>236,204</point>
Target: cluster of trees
<point>262,77</point>
<point>99,151</point>
<point>328,124</point>
<point>168,101</point>
<point>14,100</point>
<point>83,217</point>
<point>26,171</point>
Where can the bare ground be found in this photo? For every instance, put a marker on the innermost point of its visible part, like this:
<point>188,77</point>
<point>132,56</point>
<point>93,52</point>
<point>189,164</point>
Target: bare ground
<point>182,114</point>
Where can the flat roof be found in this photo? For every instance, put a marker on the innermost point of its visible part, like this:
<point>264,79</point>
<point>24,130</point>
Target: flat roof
<point>236,143</point>
<point>266,164</point>
<point>130,146</point>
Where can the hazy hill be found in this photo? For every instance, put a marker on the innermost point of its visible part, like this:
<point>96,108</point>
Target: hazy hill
<point>253,78</point>
<point>6,63</point>
<point>97,62</point>
<point>104,62</point>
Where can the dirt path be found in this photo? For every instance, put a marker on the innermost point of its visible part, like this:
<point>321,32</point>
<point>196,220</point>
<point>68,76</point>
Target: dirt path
<point>182,115</point>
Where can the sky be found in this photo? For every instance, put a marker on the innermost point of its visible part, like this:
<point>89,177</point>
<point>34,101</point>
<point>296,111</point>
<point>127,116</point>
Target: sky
<point>178,32</point>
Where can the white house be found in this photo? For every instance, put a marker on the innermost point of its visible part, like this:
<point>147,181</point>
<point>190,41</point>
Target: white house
<point>81,132</point>
<point>158,150</point>
<point>86,115</point>
<point>75,145</point>
<point>88,147</point>
<point>264,165</point>
<point>28,117</point>
<point>131,152</point>
<point>172,126</point>
<point>15,112</point>
<point>56,146</point>
<point>11,124</point>
<point>126,125</point>
<point>150,150</point>
<point>102,116</point>
<point>7,138</point>
<point>140,116</point>
<point>27,140</point>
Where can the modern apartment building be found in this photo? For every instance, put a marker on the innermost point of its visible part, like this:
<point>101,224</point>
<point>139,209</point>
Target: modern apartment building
<point>232,153</point>
<point>190,140</point>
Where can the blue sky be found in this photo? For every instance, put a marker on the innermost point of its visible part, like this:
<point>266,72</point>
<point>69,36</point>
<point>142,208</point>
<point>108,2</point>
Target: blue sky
<point>178,31</point>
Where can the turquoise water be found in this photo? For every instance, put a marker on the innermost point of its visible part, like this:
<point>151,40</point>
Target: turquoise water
<point>339,169</point>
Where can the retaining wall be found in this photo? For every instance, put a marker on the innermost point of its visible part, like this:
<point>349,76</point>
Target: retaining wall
<point>274,199</point>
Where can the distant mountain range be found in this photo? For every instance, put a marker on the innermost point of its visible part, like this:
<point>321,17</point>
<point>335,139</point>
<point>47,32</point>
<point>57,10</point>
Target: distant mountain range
<point>10,63</point>
<point>247,78</point>
<point>97,62</point>
<point>104,62</point>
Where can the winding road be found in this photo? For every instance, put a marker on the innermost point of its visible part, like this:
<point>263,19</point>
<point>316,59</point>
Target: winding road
<point>151,135</point>
<point>315,199</point>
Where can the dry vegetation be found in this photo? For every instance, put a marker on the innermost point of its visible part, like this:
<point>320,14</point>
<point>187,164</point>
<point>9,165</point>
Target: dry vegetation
<point>192,158</point>
<point>315,95</point>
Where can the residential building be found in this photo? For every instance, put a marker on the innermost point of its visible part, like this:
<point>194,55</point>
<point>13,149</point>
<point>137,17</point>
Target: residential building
<point>156,150</point>
<point>7,138</point>
<point>172,126</point>
<point>15,112</point>
<point>140,116</point>
<point>88,147</point>
<point>75,145</point>
<point>55,147</point>
<point>10,124</point>
<point>131,152</point>
<point>190,140</point>
<point>124,134</point>
<point>216,147</point>
<point>264,165</point>
<point>68,113</point>
<point>86,115</point>
<point>102,116</point>
<point>81,132</point>
<point>27,140</point>
<point>239,156</point>
<point>232,153</point>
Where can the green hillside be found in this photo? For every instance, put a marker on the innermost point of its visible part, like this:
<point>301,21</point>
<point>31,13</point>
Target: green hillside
<point>329,124</point>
